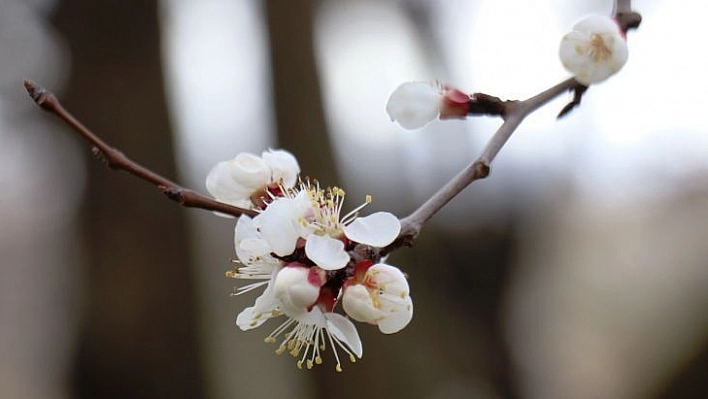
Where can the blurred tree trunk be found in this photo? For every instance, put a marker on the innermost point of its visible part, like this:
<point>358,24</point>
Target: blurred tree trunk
<point>139,337</point>
<point>299,111</point>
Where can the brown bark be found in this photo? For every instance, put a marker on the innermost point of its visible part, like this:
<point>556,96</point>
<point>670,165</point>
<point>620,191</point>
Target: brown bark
<point>139,335</point>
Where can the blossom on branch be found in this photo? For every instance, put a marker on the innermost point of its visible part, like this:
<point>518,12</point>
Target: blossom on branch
<point>301,246</point>
<point>415,104</point>
<point>378,294</point>
<point>247,180</point>
<point>594,50</point>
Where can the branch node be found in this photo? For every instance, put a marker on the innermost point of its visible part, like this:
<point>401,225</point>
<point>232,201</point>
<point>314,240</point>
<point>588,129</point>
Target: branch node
<point>484,104</point>
<point>98,154</point>
<point>481,169</point>
<point>174,193</point>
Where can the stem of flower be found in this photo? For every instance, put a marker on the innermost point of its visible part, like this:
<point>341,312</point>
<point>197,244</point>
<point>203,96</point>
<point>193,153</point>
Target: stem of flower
<point>116,160</point>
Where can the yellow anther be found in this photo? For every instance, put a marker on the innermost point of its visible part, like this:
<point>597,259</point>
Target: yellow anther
<point>280,350</point>
<point>368,199</point>
<point>352,359</point>
<point>269,340</point>
<point>338,368</point>
<point>299,364</point>
<point>318,360</point>
<point>309,364</point>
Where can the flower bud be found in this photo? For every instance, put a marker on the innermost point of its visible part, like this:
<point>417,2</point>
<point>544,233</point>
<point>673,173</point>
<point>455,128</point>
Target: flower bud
<point>414,104</point>
<point>296,288</point>
<point>381,298</point>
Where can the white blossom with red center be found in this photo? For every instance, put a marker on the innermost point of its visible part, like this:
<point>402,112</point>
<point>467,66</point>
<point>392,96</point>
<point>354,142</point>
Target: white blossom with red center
<point>310,217</point>
<point>298,249</point>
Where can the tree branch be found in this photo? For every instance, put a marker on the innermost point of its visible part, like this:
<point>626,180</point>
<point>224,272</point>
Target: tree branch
<point>116,160</point>
<point>626,18</point>
<point>513,113</point>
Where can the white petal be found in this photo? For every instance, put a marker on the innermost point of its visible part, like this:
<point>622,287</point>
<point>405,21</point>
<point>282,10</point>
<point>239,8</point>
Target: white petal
<point>244,229</point>
<point>597,23</point>
<point>295,290</point>
<point>327,252</point>
<point>397,320</point>
<point>378,229</point>
<point>249,171</point>
<point>252,248</point>
<point>222,187</point>
<point>260,312</point>
<point>357,303</point>
<point>345,331</point>
<point>389,276</point>
<point>277,226</point>
<point>283,166</point>
<point>414,104</point>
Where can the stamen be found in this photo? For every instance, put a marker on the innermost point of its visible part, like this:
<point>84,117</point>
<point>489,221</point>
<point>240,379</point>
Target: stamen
<point>349,217</point>
<point>334,349</point>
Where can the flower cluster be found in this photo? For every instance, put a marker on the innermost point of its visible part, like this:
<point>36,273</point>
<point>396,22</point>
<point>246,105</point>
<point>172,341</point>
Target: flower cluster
<point>594,50</point>
<point>298,248</point>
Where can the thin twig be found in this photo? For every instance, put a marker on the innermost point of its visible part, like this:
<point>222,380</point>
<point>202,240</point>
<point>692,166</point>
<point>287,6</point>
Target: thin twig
<point>115,159</point>
<point>513,114</point>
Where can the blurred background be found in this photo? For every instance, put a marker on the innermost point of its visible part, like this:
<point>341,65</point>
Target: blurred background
<point>578,269</point>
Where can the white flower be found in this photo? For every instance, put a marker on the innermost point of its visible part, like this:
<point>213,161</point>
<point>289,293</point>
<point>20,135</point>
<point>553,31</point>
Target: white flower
<point>238,180</point>
<point>312,216</point>
<point>310,333</point>
<point>256,263</point>
<point>283,222</point>
<point>414,104</point>
<point>297,288</point>
<point>381,297</point>
<point>250,246</point>
<point>594,50</point>
<point>265,307</point>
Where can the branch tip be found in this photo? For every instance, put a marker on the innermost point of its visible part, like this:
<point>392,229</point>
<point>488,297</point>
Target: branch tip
<point>39,94</point>
<point>578,91</point>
